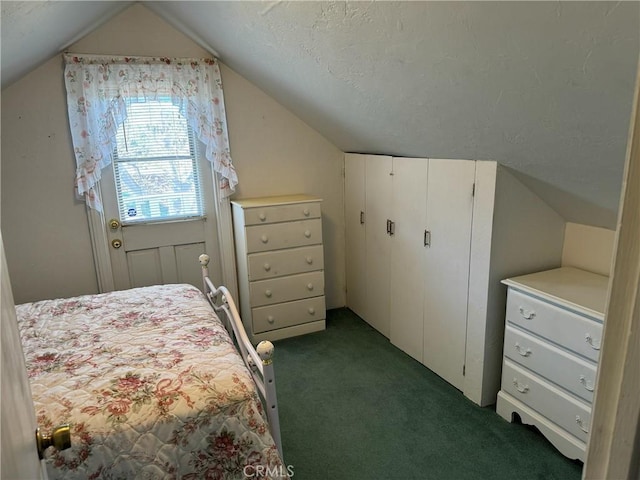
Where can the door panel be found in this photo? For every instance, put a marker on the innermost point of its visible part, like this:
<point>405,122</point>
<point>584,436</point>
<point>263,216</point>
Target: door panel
<point>137,237</point>
<point>378,184</point>
<point>409,211</point>
<point>449,216</point>
<point>144,267</point>
<point>19,456</point>
<point>355,220</point>
<point>171,264</point>
<point>186,271</point>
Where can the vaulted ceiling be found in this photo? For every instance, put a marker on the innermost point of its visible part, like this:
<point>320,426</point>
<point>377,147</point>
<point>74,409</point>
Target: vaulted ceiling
<point>545,88</point>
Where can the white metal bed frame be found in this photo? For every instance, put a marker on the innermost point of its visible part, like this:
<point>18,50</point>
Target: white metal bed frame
<point>259,360</point>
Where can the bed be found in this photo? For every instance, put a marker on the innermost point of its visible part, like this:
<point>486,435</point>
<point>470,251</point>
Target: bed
<point>153,385</point>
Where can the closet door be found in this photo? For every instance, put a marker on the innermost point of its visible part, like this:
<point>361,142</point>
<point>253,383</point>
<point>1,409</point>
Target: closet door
<point>378,184</point>
<point>446,263</point>
<point>354,204</point>
<point>409,210</point>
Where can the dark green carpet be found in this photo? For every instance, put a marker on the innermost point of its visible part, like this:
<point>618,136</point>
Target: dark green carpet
<point>353,406</point>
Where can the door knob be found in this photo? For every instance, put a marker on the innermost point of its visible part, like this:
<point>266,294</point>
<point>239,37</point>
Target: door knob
<point>116,243</point>
<point>60,438</point>
<point>114,224</point>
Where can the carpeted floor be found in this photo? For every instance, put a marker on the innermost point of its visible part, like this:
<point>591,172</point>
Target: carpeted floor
<point>353,406</point>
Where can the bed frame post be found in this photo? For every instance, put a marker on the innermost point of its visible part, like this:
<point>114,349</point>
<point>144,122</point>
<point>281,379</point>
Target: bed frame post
<point>204,262</point>
<point>265,350</point>
<point>257,360</point>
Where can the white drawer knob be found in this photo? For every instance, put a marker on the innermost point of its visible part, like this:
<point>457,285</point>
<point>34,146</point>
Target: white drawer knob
<point>525,352</point>
<point>270,319</point>
<point>262,217</point>
<point>307,233</point>
<point>267,267</point>
<point>309,260</point>
<point>527,314</point>
<point>520,388</point>
<point>587,384</point>
<point>589,339</point>
<point>306,212</point>
<point>581,424</point>
<point>264,239</point>
<point>268,293</point>
<point>311,311</point>
<point>310,286</point>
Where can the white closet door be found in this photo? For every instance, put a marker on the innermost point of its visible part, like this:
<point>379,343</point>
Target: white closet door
<point>354,205</point>
<point>378,184</point>
<point>449,216</point>
<point>409,211</point>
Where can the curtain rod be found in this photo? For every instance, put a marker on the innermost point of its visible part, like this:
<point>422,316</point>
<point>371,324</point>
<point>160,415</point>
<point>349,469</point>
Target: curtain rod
<point>135,57</point>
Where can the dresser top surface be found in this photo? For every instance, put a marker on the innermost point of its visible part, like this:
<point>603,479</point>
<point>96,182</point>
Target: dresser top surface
<point>275,200</point>
<point>582,290</point>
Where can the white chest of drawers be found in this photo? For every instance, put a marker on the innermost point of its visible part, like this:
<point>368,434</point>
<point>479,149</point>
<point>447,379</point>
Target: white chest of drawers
<point>280,261</point>
<point>552,340</point>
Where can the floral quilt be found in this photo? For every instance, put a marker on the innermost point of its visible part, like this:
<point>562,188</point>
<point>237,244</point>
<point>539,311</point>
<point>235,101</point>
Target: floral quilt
<point>151,384</point>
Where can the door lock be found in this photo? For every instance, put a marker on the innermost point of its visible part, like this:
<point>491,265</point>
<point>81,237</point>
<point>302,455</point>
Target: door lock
<point>114,224</point>
<point>116,243</point>
<point>60,438</point>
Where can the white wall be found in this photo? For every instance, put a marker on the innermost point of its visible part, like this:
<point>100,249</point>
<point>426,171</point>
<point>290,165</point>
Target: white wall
<point>514,232</point>
<point>44,227</point>
<point>589,248</point>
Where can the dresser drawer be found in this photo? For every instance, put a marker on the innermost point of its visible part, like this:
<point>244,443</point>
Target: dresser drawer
<point>261,238</point>
<point>286,289</point>
<point>285,262</point>
<point>563,327</point>
<point>564,369</point>
<point>281,213</point>
<point>568,413</point>
<point>288,314</point>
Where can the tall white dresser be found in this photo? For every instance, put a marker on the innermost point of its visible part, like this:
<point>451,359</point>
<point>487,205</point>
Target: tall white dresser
<point>280,259</point>
<point>552,340</point>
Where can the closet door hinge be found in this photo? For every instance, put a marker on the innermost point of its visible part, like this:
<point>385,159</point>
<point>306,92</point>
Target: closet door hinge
<point>464,370</point>
<point>473,190</point>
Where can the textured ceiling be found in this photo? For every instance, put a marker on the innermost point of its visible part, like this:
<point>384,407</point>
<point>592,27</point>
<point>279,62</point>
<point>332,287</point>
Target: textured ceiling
<point>544,88</point>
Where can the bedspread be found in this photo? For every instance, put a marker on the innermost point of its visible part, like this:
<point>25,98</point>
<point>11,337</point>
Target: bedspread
<point>151,384</point>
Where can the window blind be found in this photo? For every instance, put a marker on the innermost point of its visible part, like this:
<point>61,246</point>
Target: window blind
<point>155,164</point>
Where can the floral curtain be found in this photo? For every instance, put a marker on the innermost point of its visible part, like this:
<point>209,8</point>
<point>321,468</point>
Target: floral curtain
<point>99,89</point>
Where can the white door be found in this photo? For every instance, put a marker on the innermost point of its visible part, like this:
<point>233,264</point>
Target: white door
<point>449,217</point>
<point>18,455</point>
<point>152,192</point>
<point>378,184</point>
<point>409,211</point>
<point>355,219</point>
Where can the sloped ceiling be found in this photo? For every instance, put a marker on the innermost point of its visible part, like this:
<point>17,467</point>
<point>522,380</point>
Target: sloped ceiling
<point>544,88</point>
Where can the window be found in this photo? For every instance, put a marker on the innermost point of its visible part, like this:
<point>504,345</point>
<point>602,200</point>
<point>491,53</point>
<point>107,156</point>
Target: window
<point>155,164</point>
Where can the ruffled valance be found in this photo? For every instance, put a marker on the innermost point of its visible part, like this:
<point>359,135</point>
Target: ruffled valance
<point>100,88</point>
